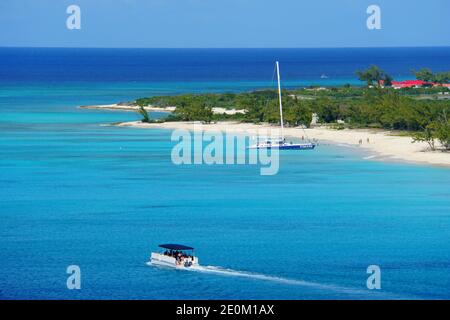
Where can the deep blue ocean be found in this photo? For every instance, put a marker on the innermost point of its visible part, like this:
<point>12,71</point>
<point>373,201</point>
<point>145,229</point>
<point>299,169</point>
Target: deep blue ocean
<point>74,192</point>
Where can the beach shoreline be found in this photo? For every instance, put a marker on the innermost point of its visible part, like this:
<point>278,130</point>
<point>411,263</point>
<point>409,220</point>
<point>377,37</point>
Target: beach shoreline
<point>135,108</point>
<point>379,145</point>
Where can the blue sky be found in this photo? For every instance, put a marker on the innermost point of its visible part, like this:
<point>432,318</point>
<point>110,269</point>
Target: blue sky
<point>224,23</point>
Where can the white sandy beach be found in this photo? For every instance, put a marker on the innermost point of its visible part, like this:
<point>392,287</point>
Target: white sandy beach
<point>382,145</point>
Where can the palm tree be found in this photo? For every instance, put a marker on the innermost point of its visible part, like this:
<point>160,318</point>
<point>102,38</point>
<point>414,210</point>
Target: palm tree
<point>144,114</point>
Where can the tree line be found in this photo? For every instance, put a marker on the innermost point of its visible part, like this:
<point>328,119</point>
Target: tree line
<point>376,76</point>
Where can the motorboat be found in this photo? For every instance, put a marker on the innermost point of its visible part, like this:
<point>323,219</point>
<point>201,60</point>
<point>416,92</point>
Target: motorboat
<point>174,255</point>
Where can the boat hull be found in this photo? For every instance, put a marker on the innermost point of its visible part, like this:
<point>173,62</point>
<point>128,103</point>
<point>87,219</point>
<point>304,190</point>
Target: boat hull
<point>158,259</point>
<point>305,146</point>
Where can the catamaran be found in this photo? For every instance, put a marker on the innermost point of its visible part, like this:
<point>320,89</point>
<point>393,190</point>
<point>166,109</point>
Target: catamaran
<point>175,256</point>
<point>280,143</point>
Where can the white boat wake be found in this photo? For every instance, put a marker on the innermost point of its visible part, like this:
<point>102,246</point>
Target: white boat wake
<point>352,292</point>
<point>314,285</point>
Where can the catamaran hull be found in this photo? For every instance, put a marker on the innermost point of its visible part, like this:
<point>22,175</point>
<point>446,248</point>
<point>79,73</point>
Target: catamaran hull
<point>286,147</point>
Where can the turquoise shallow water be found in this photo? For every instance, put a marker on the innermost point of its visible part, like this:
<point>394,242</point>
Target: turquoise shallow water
<point>75,192</point>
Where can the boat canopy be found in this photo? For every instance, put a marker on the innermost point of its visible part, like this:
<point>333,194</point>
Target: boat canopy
<point>172,246</point>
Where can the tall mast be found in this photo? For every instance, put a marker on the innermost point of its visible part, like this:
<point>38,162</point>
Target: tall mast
<point>279,97</point>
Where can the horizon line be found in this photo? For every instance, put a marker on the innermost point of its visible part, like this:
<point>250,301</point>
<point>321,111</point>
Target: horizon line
<point>224,48</point>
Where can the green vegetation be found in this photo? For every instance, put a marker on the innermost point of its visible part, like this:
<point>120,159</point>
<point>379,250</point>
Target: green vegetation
<point>144,114</point>
<point>438,129</point>
<point>224,100</point>
<point>427,75</point>
<point>374,74</point>
<point>194,111</point>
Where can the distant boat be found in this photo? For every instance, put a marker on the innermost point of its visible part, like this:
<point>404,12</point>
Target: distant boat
<point>174,256</point>
<point>280,143</point>
<point>323,76</point>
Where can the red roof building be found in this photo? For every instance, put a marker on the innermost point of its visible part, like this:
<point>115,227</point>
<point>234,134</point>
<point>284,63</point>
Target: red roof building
<point>409,84</point>
<point>414,84</point>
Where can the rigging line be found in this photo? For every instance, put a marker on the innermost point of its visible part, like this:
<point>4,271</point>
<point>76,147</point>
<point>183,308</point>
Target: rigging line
<point>307,138</point>
<point>273,75</point>
<point>271,84</point>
